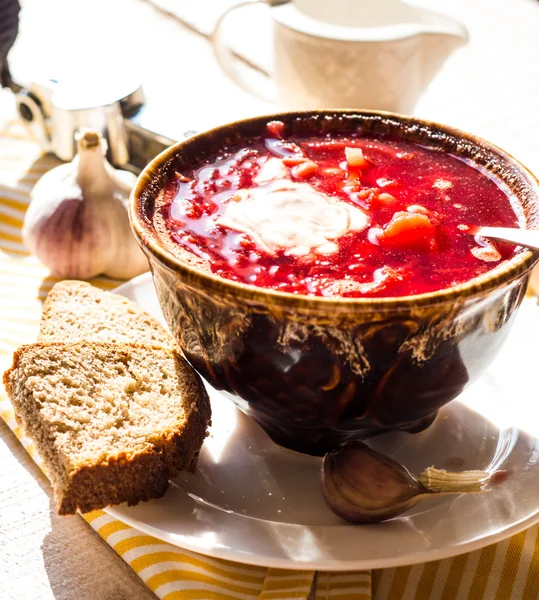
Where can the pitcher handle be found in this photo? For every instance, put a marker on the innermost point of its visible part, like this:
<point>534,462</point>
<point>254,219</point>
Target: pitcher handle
<point>263,88</point>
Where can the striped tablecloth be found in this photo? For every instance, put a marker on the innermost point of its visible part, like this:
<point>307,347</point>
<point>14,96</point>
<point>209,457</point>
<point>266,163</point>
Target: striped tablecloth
<point>505,571</point>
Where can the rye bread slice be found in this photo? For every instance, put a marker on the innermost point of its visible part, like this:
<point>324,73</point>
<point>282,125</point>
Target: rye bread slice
<point>112,422</point>
<point>76,311</point>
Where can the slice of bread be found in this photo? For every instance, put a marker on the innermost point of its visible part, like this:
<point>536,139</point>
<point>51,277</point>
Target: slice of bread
<point>112,422</point>
<point>76,311</point>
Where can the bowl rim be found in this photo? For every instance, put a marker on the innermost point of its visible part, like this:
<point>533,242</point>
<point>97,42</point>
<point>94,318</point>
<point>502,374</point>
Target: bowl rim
<point>492,279</point>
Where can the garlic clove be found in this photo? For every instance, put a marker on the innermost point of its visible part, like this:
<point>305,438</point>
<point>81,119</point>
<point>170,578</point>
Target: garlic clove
<point>127,260</point>
<point>63,233</point>
<point>361,485</point>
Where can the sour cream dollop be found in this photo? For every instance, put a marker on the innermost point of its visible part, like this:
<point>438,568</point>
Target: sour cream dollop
<point>292,217</point>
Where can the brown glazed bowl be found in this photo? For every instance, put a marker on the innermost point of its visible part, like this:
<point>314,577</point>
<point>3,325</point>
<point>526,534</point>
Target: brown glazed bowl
<point>316,371</point>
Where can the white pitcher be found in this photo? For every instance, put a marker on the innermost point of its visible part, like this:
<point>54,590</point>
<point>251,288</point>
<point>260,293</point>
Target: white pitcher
<point>378,54</point>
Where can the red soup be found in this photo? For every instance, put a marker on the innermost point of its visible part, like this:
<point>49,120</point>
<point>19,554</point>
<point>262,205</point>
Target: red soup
<point>354,216</point>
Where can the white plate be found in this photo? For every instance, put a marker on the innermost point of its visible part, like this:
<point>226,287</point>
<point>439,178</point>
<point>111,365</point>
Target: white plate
<point>254,502</point>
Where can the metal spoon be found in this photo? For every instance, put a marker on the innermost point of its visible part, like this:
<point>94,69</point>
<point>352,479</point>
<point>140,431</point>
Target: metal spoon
<point>523,237</point>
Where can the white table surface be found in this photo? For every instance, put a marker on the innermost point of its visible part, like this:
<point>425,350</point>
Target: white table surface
<point>490,88</point>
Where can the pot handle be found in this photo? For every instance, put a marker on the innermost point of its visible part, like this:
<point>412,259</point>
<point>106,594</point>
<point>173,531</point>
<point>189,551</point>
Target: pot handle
<point>253,80</point>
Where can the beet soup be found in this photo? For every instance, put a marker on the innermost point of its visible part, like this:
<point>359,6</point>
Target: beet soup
<point>349,216</point>
<point>318,268</point>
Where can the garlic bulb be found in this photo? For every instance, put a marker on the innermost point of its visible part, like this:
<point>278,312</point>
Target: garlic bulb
<point>77,222</point>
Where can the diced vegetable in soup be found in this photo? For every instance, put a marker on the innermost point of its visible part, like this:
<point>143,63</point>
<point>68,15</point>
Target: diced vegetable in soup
<point>338,216</point>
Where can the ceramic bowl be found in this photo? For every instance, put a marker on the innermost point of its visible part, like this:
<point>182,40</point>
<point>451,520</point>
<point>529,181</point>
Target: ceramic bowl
<point>315,371</point>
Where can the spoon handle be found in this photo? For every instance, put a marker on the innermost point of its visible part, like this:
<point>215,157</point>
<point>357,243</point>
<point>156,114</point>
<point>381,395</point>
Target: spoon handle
<point>523,237</point>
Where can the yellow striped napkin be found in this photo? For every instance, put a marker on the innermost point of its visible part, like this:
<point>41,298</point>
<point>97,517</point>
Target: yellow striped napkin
<point>177,574</point>
<point>505,571</point>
